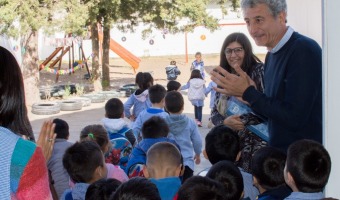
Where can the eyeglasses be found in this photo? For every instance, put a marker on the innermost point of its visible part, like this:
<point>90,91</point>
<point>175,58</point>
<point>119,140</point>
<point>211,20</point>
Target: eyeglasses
<point>236,50</point>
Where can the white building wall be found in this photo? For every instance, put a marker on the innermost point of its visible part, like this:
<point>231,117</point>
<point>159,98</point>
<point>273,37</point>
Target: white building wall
<point>331,81</point>
<point>306,18</point>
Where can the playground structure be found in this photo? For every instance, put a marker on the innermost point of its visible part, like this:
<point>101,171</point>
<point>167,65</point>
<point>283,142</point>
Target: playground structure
<point>122,52</point>
<point>63,51</point>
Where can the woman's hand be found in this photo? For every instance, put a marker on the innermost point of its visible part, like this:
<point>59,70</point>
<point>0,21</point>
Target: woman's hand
<point>46,139</point>
<point>234,122</point>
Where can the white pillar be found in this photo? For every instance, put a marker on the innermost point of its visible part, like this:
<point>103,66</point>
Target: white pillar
<point>331,90</point>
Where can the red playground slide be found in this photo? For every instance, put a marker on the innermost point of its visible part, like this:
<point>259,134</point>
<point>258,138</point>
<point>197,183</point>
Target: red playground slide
<point>123,53</point>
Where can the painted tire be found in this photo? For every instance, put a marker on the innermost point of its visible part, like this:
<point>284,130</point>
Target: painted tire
<point>95,98</point>
<point>71,105</point>
<point>86,101</point>
<point>48,108</point>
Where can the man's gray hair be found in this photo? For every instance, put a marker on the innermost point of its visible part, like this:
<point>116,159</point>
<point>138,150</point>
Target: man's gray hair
<point>275,6</point>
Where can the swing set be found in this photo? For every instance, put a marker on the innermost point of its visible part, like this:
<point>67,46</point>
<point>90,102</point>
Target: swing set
<point>72,63</point>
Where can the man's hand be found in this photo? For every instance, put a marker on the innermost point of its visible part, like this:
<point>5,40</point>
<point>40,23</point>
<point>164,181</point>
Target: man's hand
<point>233,85</point>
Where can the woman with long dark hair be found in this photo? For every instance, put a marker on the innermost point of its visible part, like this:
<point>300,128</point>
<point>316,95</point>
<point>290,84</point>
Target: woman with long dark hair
<point>237,51</point>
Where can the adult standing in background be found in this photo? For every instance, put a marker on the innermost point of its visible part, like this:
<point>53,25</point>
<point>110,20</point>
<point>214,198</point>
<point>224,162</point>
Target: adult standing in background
<point>292,99</point>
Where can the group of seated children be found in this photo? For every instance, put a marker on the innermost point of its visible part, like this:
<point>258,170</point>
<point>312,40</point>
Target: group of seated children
<point>155,159</point>
<point>302,174</point>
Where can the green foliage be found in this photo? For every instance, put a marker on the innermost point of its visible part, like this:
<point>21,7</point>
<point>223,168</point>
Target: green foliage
<point>18,17</point>
<point>67,92</point>
<point>80,89</point>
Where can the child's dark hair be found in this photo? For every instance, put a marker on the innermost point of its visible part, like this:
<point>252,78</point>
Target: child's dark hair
<point>173,86</point>
<point>81,160</point>
<point>309,164</point>
<point>61,128</point>
<point>96,133</point>
<point>172,62</point>
<point>174,102</point>
<point>201,188</point>
<point>102,189</point>
<point>222,143</point>
<point>156,93</point>
<point>144,80</point>
<point>155,127</point>
<point>195,74</point>
<point>114,108</point>
<point>136,188</point>
<point>267,166</point>
<point>226,173</point>
<point>198,53</point>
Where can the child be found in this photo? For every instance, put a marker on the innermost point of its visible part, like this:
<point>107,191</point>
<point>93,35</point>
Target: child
<point>102,189</point>
<point>98,134</point>
<point>222,143</point>
<point>201,188</point>
<point>137,188</point>
<point>307,169</point>
<point>173,86</point>
<point>172,71</point>
<point>198,64</point>
<point>84,162</point>
<point>59,175</point>
<point>196,94</point>
<point>210,89</point>
<point>154,130</point>
<point>226,173</point>
<point>114,121</point>
<point>140,98</point>
<point>184,131</point>
<point>163,167</point>
<point>267,165</point>
<point>156,95</point>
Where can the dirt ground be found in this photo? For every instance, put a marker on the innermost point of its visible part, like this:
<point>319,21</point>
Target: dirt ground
<point>121,73</point>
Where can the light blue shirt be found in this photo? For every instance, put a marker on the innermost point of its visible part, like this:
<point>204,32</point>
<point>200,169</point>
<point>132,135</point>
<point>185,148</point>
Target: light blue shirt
<point>283,40</point>
<point>145,115</point>
<point>186,134</point>
<point>210,89</point>
<point>305,196</point>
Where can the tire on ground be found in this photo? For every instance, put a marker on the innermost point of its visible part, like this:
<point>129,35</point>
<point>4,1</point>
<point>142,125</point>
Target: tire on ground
<point>86,101</point>
<point>71,105</point>
<point>48,108</point>
<point>95,98</point>
<point>110,94</point>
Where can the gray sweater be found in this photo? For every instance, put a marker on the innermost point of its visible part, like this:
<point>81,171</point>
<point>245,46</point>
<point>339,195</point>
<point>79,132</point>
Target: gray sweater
<point>55,165</point>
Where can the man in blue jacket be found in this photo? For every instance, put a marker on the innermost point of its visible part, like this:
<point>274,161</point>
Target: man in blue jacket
<point>292,100</point>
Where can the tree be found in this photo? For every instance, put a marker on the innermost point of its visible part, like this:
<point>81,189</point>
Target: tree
<point>158,14</point>
<point>24,19</point>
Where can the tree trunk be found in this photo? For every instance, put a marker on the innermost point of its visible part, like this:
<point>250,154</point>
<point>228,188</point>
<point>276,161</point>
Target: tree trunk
<point>95,57</point>
<point>30,70</point>
<point>106,52</point>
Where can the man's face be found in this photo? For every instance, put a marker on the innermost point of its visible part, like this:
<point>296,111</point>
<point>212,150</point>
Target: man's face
<point>264,28</point>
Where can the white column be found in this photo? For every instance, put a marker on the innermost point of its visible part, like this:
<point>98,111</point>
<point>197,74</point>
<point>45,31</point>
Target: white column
<point>331,90</point>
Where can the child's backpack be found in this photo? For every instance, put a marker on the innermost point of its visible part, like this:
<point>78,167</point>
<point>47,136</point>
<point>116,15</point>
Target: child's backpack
<point>120,149</point>
<point>172,72</point>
